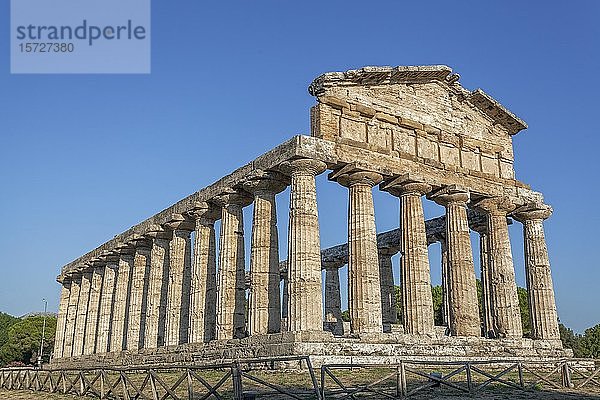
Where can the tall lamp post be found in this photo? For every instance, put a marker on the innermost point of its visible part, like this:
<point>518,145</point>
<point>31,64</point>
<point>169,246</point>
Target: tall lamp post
<point>43,334</point>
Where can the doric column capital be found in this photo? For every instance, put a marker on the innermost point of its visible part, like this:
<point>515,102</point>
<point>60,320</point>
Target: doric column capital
<point>233,197</point>
<point>205,213</point>
<point>265,182</point>
<point>531,212</point>
<point>450,195</point>
<point>405,185</point>
<point>495,205</point>
<point>125,249</point>
<point>179,222</point>
<point>333,264</point>
<point>142,244</point>
<point>366,178</point>
<point>388,251</point>
<point>303,166</point>
<point>159,232</point>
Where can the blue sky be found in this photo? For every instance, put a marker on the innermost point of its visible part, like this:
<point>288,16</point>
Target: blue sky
<point>84,157</point>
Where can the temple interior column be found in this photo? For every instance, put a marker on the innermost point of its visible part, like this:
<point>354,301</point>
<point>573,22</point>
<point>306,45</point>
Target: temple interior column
<point>178,299</point>
<point>445,281</point>
<point>139,290</point>
<point>203,288</point>
<point>542,305</point>
<point>506,314</point>
<point>265,300</point>
<point>486,300</point>
<point>82,312</point>
<point>388,290</point>
<point>93,308</point>
<point>120,308</point>
<point>106,304</point>
<point>364,286</point>
<point>305,307</point>
<point>158,286</point>
<point>231,291</point>
<point>61,321</point>
<point>285,301</point>
<point>71,319</point>
<point>333,299</point>
<point>414,263</point>
<point>464,309</point>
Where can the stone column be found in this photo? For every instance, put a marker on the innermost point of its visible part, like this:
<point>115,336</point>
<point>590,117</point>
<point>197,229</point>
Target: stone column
<point>364,287</point>
<point>203,292</point>
<point>464,309</point>
<point>265,301</point>
<point>178,299</point>
<point>542,306</point>
<point>486,300</point>
<point>445,281</point>
<point>414,264</point>
<point>305,308</point>
<point>388,291</point>
<point>138,298</point>
<point>93,308</point>
<point>61,321</point>
<point>285,301</point>
<point>333,300</point>
<point>231,292</point>
<point>71,319</point>
<point>506,314</point>
<point>82,313</point>
<point>158,281</point>
<point>118,340</point>
<point>107,302</point>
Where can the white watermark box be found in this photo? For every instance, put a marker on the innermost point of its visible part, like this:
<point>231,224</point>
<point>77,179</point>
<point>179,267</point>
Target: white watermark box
<point>80,36</point>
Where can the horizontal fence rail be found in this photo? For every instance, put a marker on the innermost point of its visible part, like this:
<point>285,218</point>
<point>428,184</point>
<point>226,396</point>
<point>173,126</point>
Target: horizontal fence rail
<point>270,378</point>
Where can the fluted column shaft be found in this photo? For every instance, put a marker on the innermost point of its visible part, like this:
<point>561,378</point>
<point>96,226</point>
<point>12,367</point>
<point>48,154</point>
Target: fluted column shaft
<point>61,321</point>
<point>138,297</point>
<point>445,282</point>
<point>265,300</point>
<point>82,313</point>
<point>364,285</point>
<point>305,307</point>
<point>285,301</point>
<point>93,310</point>
<point>120,309</point>
<point>177,315</point>
<point>506,314</point>
<point>388,291</point>
<point>106,307</point>
<point>542,305</point>
<point>484,258</point>
<point>158,281</point>
<point>414,264</point>
<point>333,300</point>
<point>231,292</point>
<point>71,315</point>
<point>203,288</point>
<point>464,309</point>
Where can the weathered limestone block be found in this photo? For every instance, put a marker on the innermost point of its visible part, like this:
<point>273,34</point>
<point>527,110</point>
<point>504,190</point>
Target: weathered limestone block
<point>542,306</point>
<point>333,302</point>
<point>61,321</point>
<point>178,299</point>
<point>93,309</point>
<point>364,287</point>
<point>82,310</point>
<point>264,301</point>
<point>139,290</point>
<point>414,263</point>
<point>106,305</point>
<point>203,289</point>
<point>388,291</point>
<point>118,339</point>
<point>506,314</point>
<point>305,308</point>
<point>158,282</point>
<point>464,309</point>
<point>231,291</point>
<point>71,315</point>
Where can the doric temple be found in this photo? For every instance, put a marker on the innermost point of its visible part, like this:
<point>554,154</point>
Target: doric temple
<point>163,292</point>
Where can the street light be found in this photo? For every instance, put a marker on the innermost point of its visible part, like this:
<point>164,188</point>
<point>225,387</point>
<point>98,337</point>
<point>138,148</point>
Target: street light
<point>39,360</point>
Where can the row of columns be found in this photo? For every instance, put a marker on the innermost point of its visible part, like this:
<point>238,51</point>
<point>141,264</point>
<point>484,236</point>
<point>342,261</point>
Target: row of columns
<point>149,292</point>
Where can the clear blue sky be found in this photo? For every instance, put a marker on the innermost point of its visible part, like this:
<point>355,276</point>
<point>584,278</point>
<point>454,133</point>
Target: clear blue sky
<point>84,157</point>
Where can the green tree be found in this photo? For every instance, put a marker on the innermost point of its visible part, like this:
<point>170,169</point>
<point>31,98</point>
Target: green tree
<point>588,345</point>
<point>570,339</point>
<point>524,306</point>
<point>6,321</point>
<point>438,305</point>
<point>24,338</point>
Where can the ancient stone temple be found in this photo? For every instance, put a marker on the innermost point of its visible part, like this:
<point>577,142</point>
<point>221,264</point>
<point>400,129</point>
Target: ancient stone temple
<point>164,291</point>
